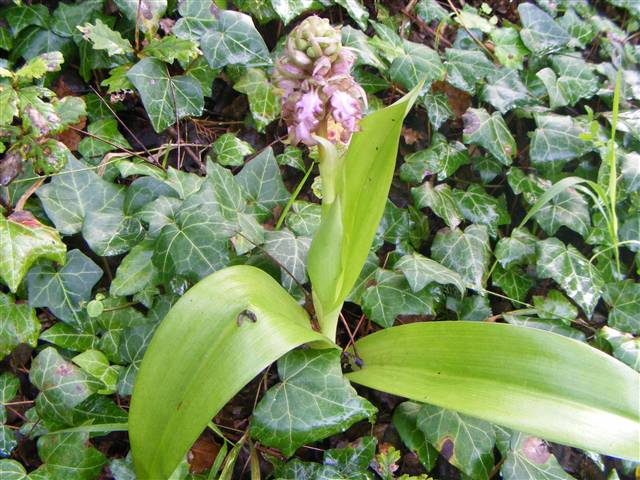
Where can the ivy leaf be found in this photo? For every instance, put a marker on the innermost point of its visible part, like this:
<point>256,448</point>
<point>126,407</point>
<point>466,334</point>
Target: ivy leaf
<point>465,442</point>
<point>390,296</point>
<point>9,99</point>
<point>405,419</point>
<point>69,197</point>
<point>23,241</point>
<point>518,249</point>
<point>232,40</point>
<point>417,63</point>
<point>9,386</point>
<point>421,271</point>
<point>625,347</point>
<point>165,98</point>
<point>572,271</point>
<point>171,48</point>
<point>21,17</point>
<point>62,386</point>
<point>69,338</point>
<point>263,100</point>
<point>291,252</point>
<point>576,79</point>
<point>67,16</point>
<point>405,228</point>
<point>145,12</point>
<point>630,171</point>
<point>442,158</point>
<point>358,41</point>
<point>512,281</point>
<point>555,306</point>
<point>304,218</point>
<point>196,17</point>
<point>104,38</point>
<point>465,252</point>
<point>136,271</point>
<point>624,299</point>
<point>39,66</point>
<point>287,10</point>
<point>261,181</point>
<point>438,108</point>
<point>18,324</point>
<point>96,364</point>
<point>63,290</point>
<point>508,47</point>
<point>540,33</point>
<point>529,458</point>
<point>490,132</point>
<point>465,68</point>
<point>313,402</point>
<point>291,157</point>
<point>260,10</point>
<point>505,91</point>
<point>230,151</point>
<point>477,206</point>
<point>356,11</point>
<point>440,200</point>
<point>70,456</point>
<point>581,32</point>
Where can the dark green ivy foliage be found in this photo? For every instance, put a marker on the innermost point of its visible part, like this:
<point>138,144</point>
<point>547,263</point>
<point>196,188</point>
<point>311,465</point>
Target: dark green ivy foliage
<point>102,230</point>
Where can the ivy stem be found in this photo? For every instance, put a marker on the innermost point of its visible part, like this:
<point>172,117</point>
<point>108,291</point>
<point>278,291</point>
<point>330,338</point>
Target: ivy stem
<point>294,196</point>
<point>30,191</point>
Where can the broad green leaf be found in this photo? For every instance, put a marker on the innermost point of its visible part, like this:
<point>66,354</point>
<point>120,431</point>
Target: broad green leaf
<point>229,150</point>
<point>441,157</point>
<point>18,325</point>
<point>145,12</point>
<point>465,252</point>
<point>62,386</point>
<point>232,40</point>
<point>505,91</point>
<point>513,281</point>
<point>540,33</point>
<point>463,441</point>
<point>104,38</point>
<point>624,299</point>
<point>390,295</point>
<point>418,63</point>
<point>165,98</point>
<point>63,290</point>
<point>508,47</point>
<point>312,402</point>
<point>341,245</point>
<point>440,200</point>
<point>529,458</point>
<point>553,387</point>
<point>571,270</point>
<point>287,10</point>
<point>421,271</point>
<point>263,100</point>
<point>23,241</point>
<point>465,68</point>
<point>169,409</point>
<point>75,192</point>
<point>405,419</point>
<point>171,48</point>
<point>70,456</point>
<point>291,253</point>
<point>262,184</point>
<point>555,141</point>
<point>69,338</point>
<point>490,132</point>
<point>518,249</point>
<point>196,17</point>
<point>478,207</point>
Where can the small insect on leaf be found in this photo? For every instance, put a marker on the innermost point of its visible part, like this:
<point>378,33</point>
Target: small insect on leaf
<point>246,315</point>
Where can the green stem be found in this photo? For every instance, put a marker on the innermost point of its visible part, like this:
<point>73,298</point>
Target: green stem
<point>613,176</point>
<point>293,198</point>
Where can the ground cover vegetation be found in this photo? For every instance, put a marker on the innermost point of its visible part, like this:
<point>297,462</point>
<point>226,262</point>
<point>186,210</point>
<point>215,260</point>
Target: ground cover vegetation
<point>454,295</point>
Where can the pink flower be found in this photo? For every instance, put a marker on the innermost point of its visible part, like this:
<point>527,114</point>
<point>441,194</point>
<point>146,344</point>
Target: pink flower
<point>345,110</point>
<point>309,111</point>
<point>344,63</point>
